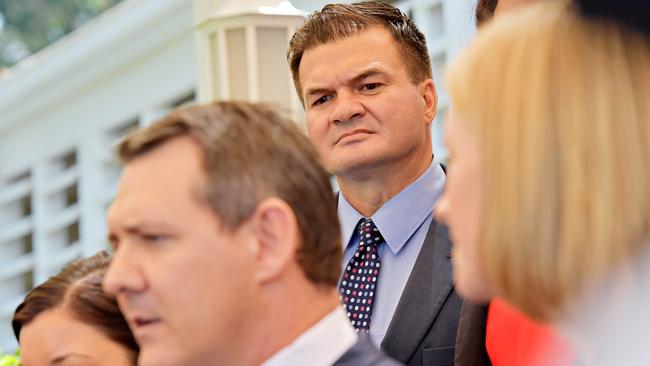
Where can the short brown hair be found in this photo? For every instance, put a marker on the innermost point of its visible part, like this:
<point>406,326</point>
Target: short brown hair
<point>251,153</point>
<point>338,21</point>
<point>485,10</point>
<point>78,287</point>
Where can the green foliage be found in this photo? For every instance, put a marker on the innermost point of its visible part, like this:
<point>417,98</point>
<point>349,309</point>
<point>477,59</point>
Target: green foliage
<point>9,360</point>
<point>26,26</point>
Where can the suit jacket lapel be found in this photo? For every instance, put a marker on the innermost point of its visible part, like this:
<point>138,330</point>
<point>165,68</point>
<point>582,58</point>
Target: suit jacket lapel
<point>426,290</point>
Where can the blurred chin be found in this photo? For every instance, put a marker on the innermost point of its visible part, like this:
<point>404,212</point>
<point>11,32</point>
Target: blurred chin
<point>154,357</point>
<point>472,293</point>
<point>470,287</point>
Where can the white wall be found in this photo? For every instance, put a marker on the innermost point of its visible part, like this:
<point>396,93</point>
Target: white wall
<point>62,111</point>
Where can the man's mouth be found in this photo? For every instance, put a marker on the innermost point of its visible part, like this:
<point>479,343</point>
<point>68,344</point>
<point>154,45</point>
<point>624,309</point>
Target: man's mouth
<point>143,328</point>
<point>353,133</point>
<point>143,322</point>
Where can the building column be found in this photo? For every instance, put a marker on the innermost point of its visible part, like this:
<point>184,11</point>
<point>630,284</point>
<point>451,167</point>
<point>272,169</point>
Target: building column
<point>241,47</point>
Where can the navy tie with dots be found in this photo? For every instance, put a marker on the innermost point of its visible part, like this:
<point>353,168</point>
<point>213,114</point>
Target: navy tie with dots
<point>359,282</point>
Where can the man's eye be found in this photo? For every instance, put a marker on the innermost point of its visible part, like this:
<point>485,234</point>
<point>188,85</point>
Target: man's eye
<point>370,86</point>
<point>153,238</point>
<point>322,100</point>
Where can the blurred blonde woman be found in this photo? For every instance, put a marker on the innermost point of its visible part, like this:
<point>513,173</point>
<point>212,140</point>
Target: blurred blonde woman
<point>548,192</point>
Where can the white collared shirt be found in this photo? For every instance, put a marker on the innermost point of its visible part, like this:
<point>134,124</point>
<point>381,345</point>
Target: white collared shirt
<point>321,345</point>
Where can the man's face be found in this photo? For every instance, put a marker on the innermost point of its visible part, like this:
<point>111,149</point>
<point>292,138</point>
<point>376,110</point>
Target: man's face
<point>363,111</point>
<point>183,282</point>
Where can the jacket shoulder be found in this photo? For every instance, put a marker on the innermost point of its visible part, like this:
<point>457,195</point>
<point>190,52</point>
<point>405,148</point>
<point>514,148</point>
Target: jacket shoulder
<point>364,353</point>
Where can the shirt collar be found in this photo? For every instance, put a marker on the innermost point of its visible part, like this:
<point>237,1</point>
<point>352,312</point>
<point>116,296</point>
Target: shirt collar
<point>322,344</point>
<point>413,205</point>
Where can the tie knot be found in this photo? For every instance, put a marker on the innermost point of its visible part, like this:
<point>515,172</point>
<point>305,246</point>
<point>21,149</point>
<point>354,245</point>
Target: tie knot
<point>368,233</point>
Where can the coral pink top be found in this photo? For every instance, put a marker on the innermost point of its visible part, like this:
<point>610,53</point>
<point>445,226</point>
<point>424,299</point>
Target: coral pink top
<point>513,339</point>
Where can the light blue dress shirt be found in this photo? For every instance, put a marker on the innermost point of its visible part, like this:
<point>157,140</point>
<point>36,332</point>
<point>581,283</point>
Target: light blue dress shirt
<point>403,221</point>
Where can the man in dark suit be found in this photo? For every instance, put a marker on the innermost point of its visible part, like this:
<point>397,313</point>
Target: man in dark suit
<point>227,244</point>
<point>363,74</point>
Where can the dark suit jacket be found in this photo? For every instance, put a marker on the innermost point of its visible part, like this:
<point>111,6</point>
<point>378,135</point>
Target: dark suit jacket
<point>424,326</point>
<point>432,326</point>
<point>423,329</point>
<point>364,353</point>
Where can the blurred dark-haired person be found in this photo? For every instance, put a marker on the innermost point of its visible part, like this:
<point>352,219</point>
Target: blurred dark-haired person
<point>363,74</point>
<point>70,320</point>
<point>547,198</point>
<point>487,9</point>
<point>227,246</point>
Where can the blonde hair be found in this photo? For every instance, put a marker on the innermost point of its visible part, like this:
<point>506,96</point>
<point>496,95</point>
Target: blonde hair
<point>561,106</point>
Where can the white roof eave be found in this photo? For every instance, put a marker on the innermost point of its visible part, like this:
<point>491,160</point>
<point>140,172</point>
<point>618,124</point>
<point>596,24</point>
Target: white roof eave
<point>118,36</point>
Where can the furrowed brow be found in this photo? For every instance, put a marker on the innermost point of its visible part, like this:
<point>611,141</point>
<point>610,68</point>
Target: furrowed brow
<point>367,74</point>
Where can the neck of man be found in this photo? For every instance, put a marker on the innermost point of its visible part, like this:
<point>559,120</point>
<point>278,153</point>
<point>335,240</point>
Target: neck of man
<point>368,189</point>
<point>288,316</point>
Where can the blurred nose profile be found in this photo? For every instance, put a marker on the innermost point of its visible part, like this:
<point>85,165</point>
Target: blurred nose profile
<point>122,275</point>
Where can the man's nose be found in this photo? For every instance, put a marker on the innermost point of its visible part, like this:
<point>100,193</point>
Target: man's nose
<point>123,274</point>
<point>347,107</point>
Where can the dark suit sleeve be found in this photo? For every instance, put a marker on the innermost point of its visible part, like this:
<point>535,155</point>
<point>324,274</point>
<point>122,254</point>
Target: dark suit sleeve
<point>470,340</point>
<point>364,353</point>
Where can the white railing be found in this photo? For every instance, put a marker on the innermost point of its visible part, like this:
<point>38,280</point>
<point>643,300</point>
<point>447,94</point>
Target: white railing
<point>55,214</point>
<point>61,113</point>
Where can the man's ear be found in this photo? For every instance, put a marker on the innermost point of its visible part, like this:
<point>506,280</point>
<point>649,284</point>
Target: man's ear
<point>430,98</point>
<point>277,236</point>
